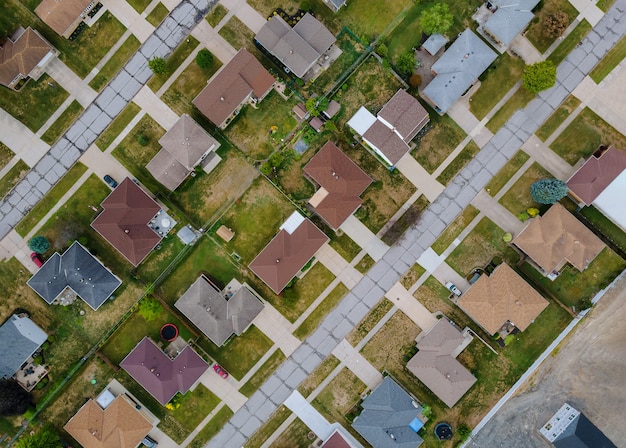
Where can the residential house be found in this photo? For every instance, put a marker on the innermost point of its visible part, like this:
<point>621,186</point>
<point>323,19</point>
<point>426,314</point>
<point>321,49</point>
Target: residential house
<point>298,48</point>
<point>295,244</point>
<point>184,147</point>
<point>557,238</point>
<point>340,438</point>
<point>75,273</point>
<point>24,55</point>
<point>241,81</point>
<point>601,182</point>
<point>162,376</point>
<point>64,16</point>
<point>509,19</point>
<point>502,300</point>
<point>390,132</point>
<point>436,366</point>
<point>569,428</point>
<point>335,5</point>
<point>340,181</point>
<point>390,417</point>
<point>219,314</point>
<point>114,422</point>
<point>125,220</point>
<point>21,338</point>
<point>457,69</point>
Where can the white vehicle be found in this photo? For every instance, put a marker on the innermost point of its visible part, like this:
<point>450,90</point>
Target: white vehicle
<point>453,289</point>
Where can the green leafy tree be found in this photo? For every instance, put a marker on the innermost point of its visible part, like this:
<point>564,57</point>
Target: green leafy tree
<point>46,437</point>
<point>548,191</point>
<point>13,399</point>
<point>405,64</point>
<point>437,19</point>
<point>150,308</point>
<point>382,50</point>
<point>157,65</point>
<point>539,76</point>
<point>39,244</point>
<point>311,107</point>
<point>204,58</point>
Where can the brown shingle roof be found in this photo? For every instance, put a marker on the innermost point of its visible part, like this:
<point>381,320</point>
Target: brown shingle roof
<point>342,179</point>
<point>160,375</point>
<point>405,114</point>
<point>124,221</point>
<point>596,174</point>
<point>61,14</point>
<point>503,296</point>
<point>286,254</point>
<point>120,425</point>
<point>556,238</point>
<point>232,85</point>
<point>333,108</point>
<point>22,56</point>
<point>387,141</point>
<point>435,366</point>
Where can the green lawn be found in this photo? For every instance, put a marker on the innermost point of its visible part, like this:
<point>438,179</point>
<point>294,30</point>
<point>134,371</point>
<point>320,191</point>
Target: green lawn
<point>25,105</point>
<point>479,247</point>
<point>236,33</point>
<point>117,126</point>
<point>467,154</point>
<point>240,353</point>
<point>157,15</point>
<point>345,246</point>
<point>558,116</point>
<point>296,435</point>
<point>438,142</point>
<point>189,411</point>
<point>64,121</point>
<point>175,60</point>
<point>5,155</point>
<point>268,428</point>
<point>518,199</point>
<point>605,226</point>
<point>519,100</point>
<point>535,29</point>
<point>115,63</point>
<point>157,260</point>
<point>407,34</point>
<point>368,323</point>
<point>318,375</point>
<point>570,42</point>
<point>604,5</point>
<point>212,427</point>
<point>12,177</point>
<point>50,199</point>
<point>268,367</point>
<point>609,61</point>
<point>512,166</point>
<point>311,323</point>
<point>583,136</point>
<point>365,264</point>
<point>572,286</point>
<point>495,82</point>
<point>139,5</point>
<point>454,229</point>
<point>215,16</point>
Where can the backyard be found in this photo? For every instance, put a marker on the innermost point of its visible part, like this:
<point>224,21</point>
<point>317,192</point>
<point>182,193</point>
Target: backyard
<point>442,136</point>
<point>517,199</point>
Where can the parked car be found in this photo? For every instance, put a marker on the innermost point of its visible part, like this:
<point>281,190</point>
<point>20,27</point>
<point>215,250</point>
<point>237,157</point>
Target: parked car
<point>220,371</point>
<point>110,181</point>
<point>149,442</point>
<point>453,289</point>
<point>36,259</point>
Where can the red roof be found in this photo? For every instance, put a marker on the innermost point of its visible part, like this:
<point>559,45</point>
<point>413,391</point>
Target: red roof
<point>286,254</point>
<point>596,174</point>
<point>160,375</point>
<point>344,181</point>
<point>124,221</point>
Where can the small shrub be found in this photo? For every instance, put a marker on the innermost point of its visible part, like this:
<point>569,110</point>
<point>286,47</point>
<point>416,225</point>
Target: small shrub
<point>52,338</point>
<point>406,63</point>
<point>539,76</point>
<point>142,139</point>
<point>532,212</point>
<point>204,59</point>
<point>38,360</point>
<point>158,65</point>
<point>510,338</point>
<point>548,191</point>
<point>415,81</point>
<point>507,237</point>
<point>464,431</point>
<point>382,50</point>
<point>555,24</point>
<point>39,244</point>
<point>83,240</point>
<point>585,304</point>
<point>523,216</point>
<point>266,168</point>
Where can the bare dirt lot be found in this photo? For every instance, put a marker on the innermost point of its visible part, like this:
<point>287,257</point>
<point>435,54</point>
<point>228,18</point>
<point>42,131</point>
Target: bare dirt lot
<point>589,372</point>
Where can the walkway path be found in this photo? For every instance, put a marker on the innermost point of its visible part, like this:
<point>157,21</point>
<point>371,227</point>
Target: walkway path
<point>131,19</point>
<point>589,10</point>
<point>161,112</point>
<point>246,13</point>
<point>70,81</point>
<point>397,260</point>
<point>336,264</point>
<point>277,328</point>
<point>225,389</point>
<point>495,211</point>
<point>410,306</point>
<point>364,237</point>
<point>213,41</point>
<point>418,176</point>
<point>360,366</point>
<point>21,140</point>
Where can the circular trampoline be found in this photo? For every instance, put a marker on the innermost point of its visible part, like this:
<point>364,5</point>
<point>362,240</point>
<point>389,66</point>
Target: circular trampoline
<point>169,332</point>
<point>443,431</point>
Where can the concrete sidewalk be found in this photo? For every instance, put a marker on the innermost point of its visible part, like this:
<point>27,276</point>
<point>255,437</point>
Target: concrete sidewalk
<point>213,41</point>
<point>70,81</point>
<point>277,328</point>
<point>225,389</point>
<point>495,211</point>
<point>418,176</point>
<point>21,140</point>
<point>130,18</point>
<point>364,237</point>
<point>547,158</point>
<point>157,109</point>
<point>336,264</point>
<point>102,163</point>
<point>588,10</point>
<point>360,366</point>
<point>410,306</point>
<point>309,415</point>
<point>246,13</point>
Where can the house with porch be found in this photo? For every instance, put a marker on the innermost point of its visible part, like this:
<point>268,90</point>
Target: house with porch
<point>24,56</point>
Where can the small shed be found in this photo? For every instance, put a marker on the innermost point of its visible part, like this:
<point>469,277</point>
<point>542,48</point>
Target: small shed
<point>187,235</point>
<point>225,233</point>
<point>435,43</point>
<point>300,111</point>
<point>317,124</point>
<point>333,108</point>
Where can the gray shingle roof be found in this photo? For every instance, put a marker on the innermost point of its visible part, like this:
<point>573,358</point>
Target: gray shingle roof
<point>457,69</point>
<point>20,339</point>
<point>510,19</point>
<point>387,412</point>
<point>581,433</point>
<point>218,318</point>
<point>78,269</point>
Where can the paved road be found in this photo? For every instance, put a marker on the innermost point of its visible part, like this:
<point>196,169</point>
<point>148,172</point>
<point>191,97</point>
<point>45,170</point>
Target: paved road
<point>397,260</point>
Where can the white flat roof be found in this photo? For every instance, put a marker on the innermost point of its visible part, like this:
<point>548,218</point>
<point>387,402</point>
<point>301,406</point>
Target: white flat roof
<point>611,202</point>
<point>105,398</point>
<point>361,121</point>
<point>292,223</point>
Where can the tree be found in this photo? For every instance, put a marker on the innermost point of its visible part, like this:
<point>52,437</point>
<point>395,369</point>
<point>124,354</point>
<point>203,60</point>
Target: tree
<point>382,51</point>
<point>317,105</point>
<point>405,64</point>
<point>204,59</point>
<point>415,81</point>
<point>157,65</point>
<point>39,244</point>
<point>555,24</point>
<point>46,437</point>
<point>539,76</point>
<point>436,20</point>
<point>150,308</point>
<point>548,191</point>
<point>13,399</point>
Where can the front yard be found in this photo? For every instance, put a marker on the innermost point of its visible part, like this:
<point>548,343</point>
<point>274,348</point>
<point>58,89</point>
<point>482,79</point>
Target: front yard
<point>438,142</point>
<point>455,228</point>
<point>568,106</point>
<point>174,60</point>
<point>535,32</point>
<point>517,200</point>
<point>498,181</point>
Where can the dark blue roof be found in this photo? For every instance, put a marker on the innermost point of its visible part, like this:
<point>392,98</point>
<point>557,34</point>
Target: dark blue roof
<point>581,433</point>
<point>20,338</point>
